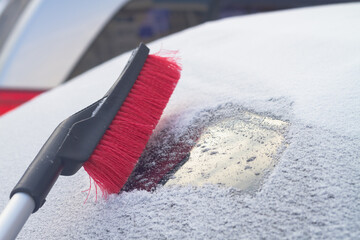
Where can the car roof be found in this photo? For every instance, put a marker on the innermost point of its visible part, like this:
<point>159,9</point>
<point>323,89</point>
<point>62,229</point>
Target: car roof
<point>299,66</point>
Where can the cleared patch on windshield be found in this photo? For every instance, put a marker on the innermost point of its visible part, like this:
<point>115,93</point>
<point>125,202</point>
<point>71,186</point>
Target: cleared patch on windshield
<point>227,145</point>
<point>235,152</point>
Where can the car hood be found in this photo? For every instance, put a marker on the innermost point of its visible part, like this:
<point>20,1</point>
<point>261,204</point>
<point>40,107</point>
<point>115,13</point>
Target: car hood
<point>297,66</point>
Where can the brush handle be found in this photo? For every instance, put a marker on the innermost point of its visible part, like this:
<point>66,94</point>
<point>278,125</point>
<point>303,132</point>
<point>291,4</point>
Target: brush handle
<point>48,164</point>
<point>73,141</point>
<point>15,214</point>
<point>71,144</point>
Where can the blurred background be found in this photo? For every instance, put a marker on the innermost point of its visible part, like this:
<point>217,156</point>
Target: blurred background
<point>44,43</point>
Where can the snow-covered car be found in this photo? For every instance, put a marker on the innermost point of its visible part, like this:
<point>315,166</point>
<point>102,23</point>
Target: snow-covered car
<point>260,139</point>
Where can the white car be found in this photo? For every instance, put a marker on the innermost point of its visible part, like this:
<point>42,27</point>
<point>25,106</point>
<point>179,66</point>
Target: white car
<point>262,134</point>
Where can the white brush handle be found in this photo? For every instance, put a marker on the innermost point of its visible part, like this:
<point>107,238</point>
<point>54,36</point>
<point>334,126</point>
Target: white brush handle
<point>15,214</point>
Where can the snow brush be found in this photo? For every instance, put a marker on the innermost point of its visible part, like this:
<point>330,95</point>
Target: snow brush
<point>106,138</point>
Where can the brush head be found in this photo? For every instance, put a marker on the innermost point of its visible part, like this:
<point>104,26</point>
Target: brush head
<point>117,153</point>
<point>107,137</point>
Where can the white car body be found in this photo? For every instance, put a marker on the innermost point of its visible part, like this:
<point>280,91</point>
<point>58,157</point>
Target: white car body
<point>48,40</point>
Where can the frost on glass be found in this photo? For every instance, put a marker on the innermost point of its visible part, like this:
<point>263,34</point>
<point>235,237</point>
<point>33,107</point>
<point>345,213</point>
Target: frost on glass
<point>227,145</point>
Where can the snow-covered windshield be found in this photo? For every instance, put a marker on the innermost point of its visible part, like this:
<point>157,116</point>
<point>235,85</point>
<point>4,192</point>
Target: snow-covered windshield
<point>300,67</point>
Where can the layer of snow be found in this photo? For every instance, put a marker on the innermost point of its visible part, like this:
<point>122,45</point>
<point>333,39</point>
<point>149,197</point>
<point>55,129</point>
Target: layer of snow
<point>302,66</point>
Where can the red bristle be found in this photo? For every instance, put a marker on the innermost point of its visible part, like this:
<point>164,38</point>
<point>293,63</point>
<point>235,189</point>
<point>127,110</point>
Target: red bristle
<point>118,151</point>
